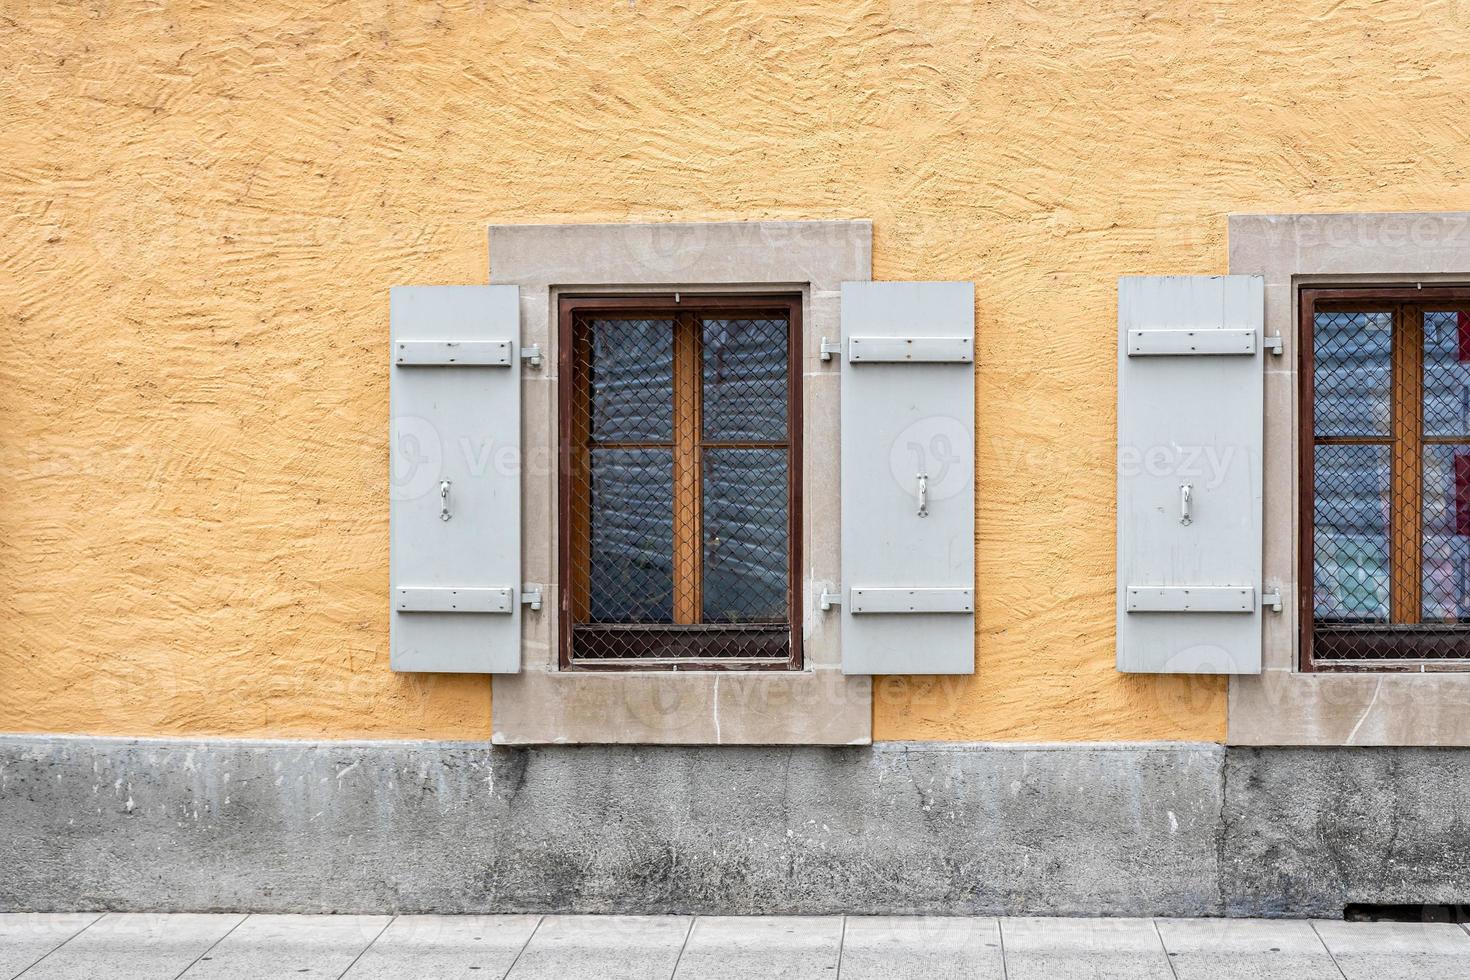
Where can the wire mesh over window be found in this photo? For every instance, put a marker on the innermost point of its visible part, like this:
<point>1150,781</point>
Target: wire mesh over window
<point>1389,543</point>
<point>678,490</point>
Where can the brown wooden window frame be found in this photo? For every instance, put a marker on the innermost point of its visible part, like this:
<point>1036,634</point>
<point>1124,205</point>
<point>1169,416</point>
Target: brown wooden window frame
<point>1393,651</point>
<point>688,447</point>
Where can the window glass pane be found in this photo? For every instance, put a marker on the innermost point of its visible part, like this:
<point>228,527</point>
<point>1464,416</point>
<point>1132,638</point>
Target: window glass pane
<point>631,380</point>
<point>745,535</point>
<point>632,520</point>
<point>1350,373</point>
<point>1446,596</point>
<point>1350,534</point>
<point>1447,373</point>
<point>745,370</point>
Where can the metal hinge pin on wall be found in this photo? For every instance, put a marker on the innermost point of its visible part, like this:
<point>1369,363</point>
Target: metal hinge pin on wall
<point>1272,600</point>
<point>1272,344</point>
<point>531,354</point>
<point>829,599</point>
<point>531,596</point>
<point>830,347</point>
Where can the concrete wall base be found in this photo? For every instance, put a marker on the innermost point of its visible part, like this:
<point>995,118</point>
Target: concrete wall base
<point>1084,829</point>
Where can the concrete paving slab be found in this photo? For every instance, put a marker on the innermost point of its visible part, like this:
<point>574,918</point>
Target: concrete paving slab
<point>289,947</point>
<point>1098,949</point>
<point>603,947</point>
<point>25,937</point>
<point>784,948</point>
<point>1397,950</point>
<point>1246,949</point>
<point>431,947</point>
<point>139,946</point>
<point>927,947</point>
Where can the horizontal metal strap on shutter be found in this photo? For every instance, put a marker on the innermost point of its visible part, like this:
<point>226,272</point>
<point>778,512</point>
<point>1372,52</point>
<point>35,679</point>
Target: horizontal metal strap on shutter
<point>1167,343</point>
<point>1192,598</point>
<point>411,600</point>
<point>453,353</point>
<point>912,601</point>
<point>958,350</point>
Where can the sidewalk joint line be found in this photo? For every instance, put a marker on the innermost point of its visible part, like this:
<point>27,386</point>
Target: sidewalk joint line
<point>841,947</point>
<point>522,951</point>
<point>238,922</point>
<point>60,944</point>
<point>683,946</point>
<point>391,919</point>
<point>1154,921</point>
<point>1312,923</point>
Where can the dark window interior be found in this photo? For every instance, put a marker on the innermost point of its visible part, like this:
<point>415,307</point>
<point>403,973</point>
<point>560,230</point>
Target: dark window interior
<point>680,469</point>
<point>1386,456</point>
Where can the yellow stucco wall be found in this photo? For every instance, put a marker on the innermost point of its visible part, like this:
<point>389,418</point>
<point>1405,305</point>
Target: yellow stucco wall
<point>204,207</point>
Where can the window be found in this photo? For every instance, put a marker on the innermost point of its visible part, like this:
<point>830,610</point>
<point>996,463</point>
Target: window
<point>679,497</point>
<point>1386,455</point>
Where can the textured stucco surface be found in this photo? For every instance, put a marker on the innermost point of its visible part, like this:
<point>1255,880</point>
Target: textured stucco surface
<point>204,207</point>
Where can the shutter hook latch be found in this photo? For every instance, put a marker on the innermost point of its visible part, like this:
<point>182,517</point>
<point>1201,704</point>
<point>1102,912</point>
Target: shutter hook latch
<point>444,500</point>
<point>1185,492</point>
<point>923,495</point>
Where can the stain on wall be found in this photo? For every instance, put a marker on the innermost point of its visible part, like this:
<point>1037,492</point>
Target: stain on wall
<point>204,207</point>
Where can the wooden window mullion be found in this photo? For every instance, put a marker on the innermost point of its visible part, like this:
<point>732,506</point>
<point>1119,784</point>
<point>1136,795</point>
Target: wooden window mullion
<point>688,512</point>
<point>1407,509</point>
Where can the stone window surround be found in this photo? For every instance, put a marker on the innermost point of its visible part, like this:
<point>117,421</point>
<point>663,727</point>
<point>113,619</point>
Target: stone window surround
<point>818,705</point>
<point>1283,705</point>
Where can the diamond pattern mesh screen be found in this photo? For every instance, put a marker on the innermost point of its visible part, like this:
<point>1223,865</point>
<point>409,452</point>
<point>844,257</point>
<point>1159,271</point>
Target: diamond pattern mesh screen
<point>1391,484</point>
<point>679,511</point>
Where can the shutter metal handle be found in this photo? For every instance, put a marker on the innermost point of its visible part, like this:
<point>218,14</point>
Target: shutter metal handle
<point>1185,492</point>
<point>444,500</point>
<point>923,495</point>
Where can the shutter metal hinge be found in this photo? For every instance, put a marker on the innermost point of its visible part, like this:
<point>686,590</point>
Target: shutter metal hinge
<point>829,599</point>
<point>1272,344</point>
<point>531,354</point>
<point>830,347</point>
<point>532,597</point>
<point>1271,600</point>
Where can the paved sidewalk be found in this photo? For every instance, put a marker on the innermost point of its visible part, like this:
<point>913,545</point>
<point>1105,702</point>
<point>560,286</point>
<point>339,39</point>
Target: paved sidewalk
<point>92,946</point>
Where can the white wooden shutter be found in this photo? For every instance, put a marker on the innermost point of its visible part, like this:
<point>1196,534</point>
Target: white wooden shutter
<point>455,512</point>
<point>908,488</point>
<point>1190,418</point>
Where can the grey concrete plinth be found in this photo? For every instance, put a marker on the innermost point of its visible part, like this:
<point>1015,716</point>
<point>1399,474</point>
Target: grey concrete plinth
<point>420,827</point>
<point>892,829</point>
<point>1309,831</point>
